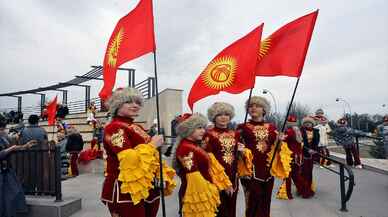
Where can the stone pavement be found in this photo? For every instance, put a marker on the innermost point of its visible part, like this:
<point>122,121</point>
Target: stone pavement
<point>369,198</point>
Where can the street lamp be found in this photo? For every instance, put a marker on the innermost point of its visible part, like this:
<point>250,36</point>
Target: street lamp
<point>265,91</point>
<point>350,110</point>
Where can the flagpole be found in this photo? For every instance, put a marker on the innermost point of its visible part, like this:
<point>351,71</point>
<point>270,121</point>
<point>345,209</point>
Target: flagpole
<point>161,184</point>
<point>235,154</point>
<point>246,109</point>
<point>284,122</point>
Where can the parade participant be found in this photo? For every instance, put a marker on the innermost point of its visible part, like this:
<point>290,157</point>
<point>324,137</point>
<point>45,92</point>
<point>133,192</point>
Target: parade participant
<point>130,187</point>
<point>343,136</point>
<point>74,146</point>
<point>260,137</point>
<point>294,141</point>
<point>324,130</point>
<point>202,176</point>
<point>91,115</point>
<point>310,146</point>
<point>223,143</point>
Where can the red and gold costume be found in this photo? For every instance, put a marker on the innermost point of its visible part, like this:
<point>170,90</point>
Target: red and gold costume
<point>132,167</point>
<point>295,145</point>
<point>202,179</point>
<point>222,143</point>
<point>310,141</point>
<point>260,138</point>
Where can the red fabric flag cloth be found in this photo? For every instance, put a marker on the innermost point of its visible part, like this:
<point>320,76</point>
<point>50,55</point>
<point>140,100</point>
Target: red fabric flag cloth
<point>283,52</point>
<point>132,37</point>
<point>51,111</point>
<point>232,70</point>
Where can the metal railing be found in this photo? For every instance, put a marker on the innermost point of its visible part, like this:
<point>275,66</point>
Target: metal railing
<point>344,194</point>
<point>39,171</point>
<point>146,87</point>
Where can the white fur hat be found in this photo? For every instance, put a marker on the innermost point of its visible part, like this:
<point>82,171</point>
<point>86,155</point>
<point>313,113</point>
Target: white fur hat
<point>219,108</point>
<point>124,95</point>
<point>260,101</point>
<point>188,123</point>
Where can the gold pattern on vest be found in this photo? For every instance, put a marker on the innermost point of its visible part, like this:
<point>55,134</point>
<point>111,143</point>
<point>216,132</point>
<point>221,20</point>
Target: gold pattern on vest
<point>227,142</point>
<point>187,160</point>
<point>118,138</point>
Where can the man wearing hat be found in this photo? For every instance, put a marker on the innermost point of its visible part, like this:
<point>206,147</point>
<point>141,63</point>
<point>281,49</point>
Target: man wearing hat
<point>130,187</point>
<point>310,146</point>
<point>260,137</point>
<point>324,129</point>
<point>223,143</point>
<point>294,141</point>
<point>343,136</point>
<point>202,176</point>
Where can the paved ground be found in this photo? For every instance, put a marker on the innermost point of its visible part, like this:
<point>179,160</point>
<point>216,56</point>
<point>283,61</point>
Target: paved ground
<point>369,199</point>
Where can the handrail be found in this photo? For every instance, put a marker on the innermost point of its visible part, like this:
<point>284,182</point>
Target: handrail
<point>345,196</point>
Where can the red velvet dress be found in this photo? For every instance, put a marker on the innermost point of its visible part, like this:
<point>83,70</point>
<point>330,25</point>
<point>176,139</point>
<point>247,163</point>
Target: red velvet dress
<point>259,137</point>
<point>122,134</point>
<point>223,144</point>
<point>296,172</point>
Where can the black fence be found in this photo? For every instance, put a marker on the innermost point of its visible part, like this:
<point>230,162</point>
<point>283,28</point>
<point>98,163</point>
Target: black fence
<point>345,193</point>
<point>39,171</point>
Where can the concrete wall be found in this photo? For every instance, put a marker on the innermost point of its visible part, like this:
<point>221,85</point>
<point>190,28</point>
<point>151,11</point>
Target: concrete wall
<point>170,105</point>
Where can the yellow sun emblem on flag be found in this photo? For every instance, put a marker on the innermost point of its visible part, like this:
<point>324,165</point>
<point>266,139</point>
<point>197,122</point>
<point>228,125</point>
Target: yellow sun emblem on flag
<point>264,47</point>
<point>220,73</point>
<point>114,48</point>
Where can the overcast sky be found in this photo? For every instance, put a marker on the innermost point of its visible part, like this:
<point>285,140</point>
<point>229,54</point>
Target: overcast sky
<point>51,41</point>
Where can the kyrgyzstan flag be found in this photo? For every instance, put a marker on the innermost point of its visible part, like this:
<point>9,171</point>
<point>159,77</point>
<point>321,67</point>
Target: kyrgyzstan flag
<point>232,70</point>
<point>284,52</point>
<point>132,37</point>
<point>52,111</point>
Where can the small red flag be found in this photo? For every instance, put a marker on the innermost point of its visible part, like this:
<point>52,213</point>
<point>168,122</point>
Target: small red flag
<point>284,52</point>
<point>232,70</point>
<point>132,37</point>
<point>52,111</point>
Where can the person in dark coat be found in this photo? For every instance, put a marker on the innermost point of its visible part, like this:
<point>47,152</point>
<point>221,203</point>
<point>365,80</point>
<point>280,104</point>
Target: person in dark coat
<point>12,199</point>
<point>343,136</point>
<point>74,145</point>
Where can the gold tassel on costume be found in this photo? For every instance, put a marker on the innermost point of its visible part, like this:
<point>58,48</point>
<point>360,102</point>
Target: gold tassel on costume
<point>201,198</point>
<point>245,165</point>
<point>168,178</point>
<point>281,166</point>
<point>137,170</point>
<point>217,172</point>
<point>313,186</point>
<point>282,193</point>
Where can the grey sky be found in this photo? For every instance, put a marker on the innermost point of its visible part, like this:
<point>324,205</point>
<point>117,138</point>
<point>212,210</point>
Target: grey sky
<point>45,42</point>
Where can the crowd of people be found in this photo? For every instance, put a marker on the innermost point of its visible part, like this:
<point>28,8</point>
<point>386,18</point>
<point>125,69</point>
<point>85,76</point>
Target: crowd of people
<point>212,157</point>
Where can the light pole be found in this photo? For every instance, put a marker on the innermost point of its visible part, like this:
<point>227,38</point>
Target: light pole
<point>350,110</point>
<point>265,91</point>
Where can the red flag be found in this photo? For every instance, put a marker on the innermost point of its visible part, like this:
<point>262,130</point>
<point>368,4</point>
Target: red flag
<point>284,52</point>
<point>132,37</point>
<point>232,70</point>
<point>51,111</point>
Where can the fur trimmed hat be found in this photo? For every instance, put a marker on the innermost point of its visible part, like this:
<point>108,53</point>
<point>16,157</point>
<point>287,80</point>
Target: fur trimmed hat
<point>260,101</point>
<point>308,119</point>
<point>124,95</point>
<point>187,123</point>
<point>292,120</point>
<point>319,112</point>
<point>219,108</point>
